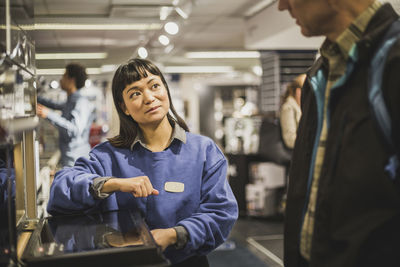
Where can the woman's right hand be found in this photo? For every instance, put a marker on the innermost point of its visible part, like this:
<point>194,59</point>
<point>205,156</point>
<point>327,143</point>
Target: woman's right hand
<point>139,186</point>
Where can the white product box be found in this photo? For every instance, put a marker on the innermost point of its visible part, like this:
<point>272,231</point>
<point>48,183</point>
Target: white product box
<point>269,174</point>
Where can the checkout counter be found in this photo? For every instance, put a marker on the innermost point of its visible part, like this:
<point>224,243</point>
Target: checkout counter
<point>118,238</point>
<point>27,237</point>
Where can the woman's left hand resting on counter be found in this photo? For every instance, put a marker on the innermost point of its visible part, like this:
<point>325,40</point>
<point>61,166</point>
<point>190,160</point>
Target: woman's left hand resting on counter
<point>164,237</point>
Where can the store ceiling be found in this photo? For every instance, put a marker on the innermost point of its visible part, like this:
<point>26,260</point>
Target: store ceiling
<point>211,25</point>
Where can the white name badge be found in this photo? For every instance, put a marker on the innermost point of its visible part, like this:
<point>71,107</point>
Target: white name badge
<point>174,187</point>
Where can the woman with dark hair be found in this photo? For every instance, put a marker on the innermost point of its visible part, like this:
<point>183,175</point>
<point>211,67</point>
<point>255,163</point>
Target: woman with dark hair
<point>175,178</point>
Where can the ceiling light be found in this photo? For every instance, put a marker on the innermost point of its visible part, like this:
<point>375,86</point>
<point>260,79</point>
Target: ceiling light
<point>41,56</point>
<point>54,84</point>
<point>171,28</point>
<point>108,68</point>
<point>164,12</point>
<point>50,71</point>
<point>70,26</point>
<point>198,69</point>
<point>26,27</point>
<point>88,83</point>
<point>61,71</point>
<point>93,70</point>
<point>142,52</point>
<point>257,70</point>
<point>164,40</point>
<point>223,54</point>
<point>181,12</point>
<point>169,49</point>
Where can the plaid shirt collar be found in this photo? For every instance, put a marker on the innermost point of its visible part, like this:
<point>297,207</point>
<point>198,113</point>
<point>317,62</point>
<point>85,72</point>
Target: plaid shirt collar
<point>345,42</point>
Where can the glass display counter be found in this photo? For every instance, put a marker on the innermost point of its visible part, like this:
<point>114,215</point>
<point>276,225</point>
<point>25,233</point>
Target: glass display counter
<point>116,238</point>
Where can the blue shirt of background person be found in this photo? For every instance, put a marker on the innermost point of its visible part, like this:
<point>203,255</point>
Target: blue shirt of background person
<point>132,170</point>
<point>77,115</point>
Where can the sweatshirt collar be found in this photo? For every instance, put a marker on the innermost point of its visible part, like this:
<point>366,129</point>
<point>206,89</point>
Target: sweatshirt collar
<point>177,133</point>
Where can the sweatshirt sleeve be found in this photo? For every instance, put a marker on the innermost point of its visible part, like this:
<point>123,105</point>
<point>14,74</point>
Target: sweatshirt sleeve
<point>70,190</point>
<point>211,224</point>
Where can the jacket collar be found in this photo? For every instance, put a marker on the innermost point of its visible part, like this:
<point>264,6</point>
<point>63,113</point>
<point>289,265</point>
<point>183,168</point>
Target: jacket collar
<point>321,62</point>
<point>376,28</point>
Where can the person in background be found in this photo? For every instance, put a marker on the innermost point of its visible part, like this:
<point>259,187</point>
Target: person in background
<point>176,179</point>
<point>342,207</point>
<point>290,112</point>
<point>76,118</point>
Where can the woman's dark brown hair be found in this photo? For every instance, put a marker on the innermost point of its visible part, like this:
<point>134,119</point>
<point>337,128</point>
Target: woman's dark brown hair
<point>132,71</point>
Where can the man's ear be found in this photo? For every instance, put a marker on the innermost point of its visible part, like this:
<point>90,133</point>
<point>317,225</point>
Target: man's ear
<point>72,81</point>
<point>123,108</point>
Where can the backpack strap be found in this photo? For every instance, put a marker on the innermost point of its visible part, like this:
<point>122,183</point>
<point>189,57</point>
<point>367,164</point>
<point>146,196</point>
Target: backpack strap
<point>375,95</point>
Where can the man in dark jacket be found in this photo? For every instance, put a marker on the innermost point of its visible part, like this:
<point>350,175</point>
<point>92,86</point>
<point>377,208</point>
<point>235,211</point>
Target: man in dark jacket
<point>342,208</point>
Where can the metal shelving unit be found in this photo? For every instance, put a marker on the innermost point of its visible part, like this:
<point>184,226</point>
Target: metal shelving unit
<point>18,124</point>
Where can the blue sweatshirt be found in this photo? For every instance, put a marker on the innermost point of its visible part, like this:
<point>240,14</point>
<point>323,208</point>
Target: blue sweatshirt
<point>206,208</point>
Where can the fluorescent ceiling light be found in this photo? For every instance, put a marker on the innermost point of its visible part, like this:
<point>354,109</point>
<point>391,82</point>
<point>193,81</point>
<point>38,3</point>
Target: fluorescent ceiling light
<point>71,26</point>
<point>40,56</point>
<point>164,40</point>
<point>181,12</point>
<point>50,71</point>
<point>223,54</point>
<point>164,12</point>
<point>198,69</point>
<point>61,71</point>
<point>168,48</point>
<point>108,68</point>
<point>13,27</point>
